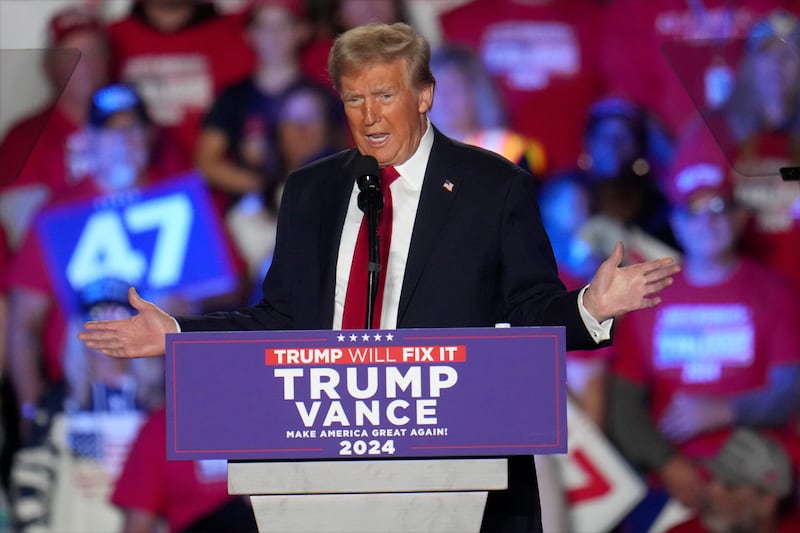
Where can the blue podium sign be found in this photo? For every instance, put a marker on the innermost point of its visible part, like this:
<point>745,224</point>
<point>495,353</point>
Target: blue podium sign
<point>366,394</point>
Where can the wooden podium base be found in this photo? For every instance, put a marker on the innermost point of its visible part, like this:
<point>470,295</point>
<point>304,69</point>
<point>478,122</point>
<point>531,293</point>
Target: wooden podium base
<point>392,496</point>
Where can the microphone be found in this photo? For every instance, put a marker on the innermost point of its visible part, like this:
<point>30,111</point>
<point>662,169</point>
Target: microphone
<point>370,201</point>
<point>790,173</point>
<point>368,179</point>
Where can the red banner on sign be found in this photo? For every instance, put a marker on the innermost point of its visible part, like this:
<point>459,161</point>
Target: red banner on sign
<point>365,355</point>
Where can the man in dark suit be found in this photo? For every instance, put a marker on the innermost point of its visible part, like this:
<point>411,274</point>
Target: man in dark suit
<point>467,244</point>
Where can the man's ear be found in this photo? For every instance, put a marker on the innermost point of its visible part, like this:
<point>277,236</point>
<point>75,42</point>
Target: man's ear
<point>425,98</point>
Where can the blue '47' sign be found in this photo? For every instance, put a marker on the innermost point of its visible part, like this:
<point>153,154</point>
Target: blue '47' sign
<point>164,238</point>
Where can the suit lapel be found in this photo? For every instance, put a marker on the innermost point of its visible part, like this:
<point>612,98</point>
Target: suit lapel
<point>440,188</point>
<point>334,201</point>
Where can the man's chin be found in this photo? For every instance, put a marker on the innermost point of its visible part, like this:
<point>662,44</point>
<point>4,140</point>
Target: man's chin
<point>716,524</point>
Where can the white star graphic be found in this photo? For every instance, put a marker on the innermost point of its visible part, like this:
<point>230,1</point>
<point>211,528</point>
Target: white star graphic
<point>353,337</point>
<point>389,336</point>
<point>377,336</point>
<point>365,337</point>
<point>340,338</point>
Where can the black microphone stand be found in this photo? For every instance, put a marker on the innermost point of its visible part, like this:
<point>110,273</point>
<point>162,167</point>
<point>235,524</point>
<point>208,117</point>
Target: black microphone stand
<point>370,201</point>
<point>790,173</point>
<point>373,210</point>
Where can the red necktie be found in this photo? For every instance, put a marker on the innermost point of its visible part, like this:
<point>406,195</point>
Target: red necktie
<point>355,303</point>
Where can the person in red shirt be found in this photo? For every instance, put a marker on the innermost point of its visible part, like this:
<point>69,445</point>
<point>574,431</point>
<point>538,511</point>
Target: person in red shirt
<point>125,152</point>
<point>722,351</point>
<point>179,55</point>
<point>188,495</point>
<point>36,159</point>
<point>543,55</point>
<point>750,484</point>
<point>758,132</point>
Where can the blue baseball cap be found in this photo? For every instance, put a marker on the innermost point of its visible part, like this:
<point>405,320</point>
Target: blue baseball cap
<point>104,291</point>
<point>113,99</point>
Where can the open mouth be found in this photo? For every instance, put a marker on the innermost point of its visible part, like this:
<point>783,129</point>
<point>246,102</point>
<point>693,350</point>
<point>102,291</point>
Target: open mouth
<point>376,139</point>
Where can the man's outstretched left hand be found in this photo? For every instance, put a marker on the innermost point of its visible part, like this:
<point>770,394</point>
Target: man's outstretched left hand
<point>616,290</point>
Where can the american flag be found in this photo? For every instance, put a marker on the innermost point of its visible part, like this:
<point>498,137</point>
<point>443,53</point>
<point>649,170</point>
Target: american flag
<point>448,185</point>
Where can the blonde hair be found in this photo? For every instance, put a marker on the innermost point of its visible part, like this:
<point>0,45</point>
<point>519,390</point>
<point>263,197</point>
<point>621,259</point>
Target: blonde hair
<point>373,44</point>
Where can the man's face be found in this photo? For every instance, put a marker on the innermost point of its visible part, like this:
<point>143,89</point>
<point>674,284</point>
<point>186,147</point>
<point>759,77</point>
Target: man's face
<point>275,35</point>
<point>303,127</point>
<point>732,507</point>
<point>385,113</point>
<point>82,66</point>
<point>776,72</point>
<point>709,229</point>
<point>611,145</point>
<point>169,15</point>
<point>456,111</point>
<point>122,149</point>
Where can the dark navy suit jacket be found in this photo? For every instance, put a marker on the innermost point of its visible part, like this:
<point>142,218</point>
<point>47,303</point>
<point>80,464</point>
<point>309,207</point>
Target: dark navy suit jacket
<point>479,255</point>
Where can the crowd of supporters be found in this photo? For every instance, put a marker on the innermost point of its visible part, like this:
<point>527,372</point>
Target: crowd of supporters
<point>659,123</point>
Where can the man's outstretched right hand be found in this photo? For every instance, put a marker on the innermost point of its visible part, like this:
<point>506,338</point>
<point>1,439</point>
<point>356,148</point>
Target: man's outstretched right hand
<point>142,335</point>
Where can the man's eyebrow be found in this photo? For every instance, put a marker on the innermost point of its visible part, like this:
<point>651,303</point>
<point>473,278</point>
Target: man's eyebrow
<point>383,89</point>
<point>376,90</point>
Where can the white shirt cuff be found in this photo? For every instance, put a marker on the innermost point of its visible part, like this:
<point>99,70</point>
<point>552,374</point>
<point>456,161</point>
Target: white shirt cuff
<point>600,331</point>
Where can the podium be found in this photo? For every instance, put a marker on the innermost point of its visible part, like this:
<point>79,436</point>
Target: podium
<point>436,495</point>
<point>366,431</point>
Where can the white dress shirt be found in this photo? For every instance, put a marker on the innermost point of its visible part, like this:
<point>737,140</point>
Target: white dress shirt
<point>405,198</point>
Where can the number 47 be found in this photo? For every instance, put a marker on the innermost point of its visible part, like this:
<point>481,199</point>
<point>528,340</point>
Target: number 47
<point>105,250</point>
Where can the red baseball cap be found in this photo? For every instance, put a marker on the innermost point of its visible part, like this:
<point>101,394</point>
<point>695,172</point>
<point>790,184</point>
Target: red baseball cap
<point>698,174</point>
<point>70,20</point>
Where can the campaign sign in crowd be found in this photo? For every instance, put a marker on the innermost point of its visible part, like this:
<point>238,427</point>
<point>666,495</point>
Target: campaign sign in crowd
<point>163,238</point>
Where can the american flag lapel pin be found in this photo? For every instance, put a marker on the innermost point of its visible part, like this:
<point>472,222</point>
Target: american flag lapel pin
<point>448,185</point>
